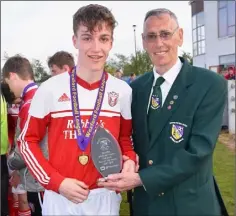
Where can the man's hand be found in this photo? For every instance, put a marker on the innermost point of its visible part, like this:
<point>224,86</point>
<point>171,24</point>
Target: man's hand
<point>15,179</point>
<point>121,181</point>
<point>129,165</point>
<point>74,190</point>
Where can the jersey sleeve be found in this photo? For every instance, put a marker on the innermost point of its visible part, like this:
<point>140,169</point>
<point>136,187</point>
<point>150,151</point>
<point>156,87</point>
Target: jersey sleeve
<point>126,124</point>
<point>33,131</point>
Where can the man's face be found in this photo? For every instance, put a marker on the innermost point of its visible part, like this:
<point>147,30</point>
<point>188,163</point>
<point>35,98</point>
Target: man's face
<point>118,74</point>
<point>13,83</point>
<point>161,38</point>
<point>133,77</point>
<point>55,70</point>
<point>93,47</point>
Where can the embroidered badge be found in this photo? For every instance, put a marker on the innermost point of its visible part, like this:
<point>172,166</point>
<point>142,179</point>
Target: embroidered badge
<point>155,102</point>
<point>177,131</point>
<point>112,98</point>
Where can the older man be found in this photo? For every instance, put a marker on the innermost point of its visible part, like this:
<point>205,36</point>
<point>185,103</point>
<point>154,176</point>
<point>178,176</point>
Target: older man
<point>177,113</point>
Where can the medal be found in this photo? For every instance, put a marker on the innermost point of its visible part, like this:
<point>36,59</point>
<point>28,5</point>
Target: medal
<point>83,159</point>
<point>82,138</point>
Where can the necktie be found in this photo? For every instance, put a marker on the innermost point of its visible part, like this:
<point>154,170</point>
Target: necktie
<point>155,104</point>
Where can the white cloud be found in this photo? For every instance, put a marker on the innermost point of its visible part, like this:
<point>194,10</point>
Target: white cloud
<point>39,29</point>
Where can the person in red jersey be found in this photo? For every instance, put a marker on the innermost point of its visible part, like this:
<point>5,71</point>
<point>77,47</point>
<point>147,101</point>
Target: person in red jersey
<point>69,176</point>
<point>18,74</point>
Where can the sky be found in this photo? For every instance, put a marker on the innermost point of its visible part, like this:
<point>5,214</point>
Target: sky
<point>38,29</point>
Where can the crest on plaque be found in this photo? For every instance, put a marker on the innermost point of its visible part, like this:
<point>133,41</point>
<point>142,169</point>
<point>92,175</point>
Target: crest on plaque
<point>104,144</point>
<point>112,98</point>
<point>177,132</point>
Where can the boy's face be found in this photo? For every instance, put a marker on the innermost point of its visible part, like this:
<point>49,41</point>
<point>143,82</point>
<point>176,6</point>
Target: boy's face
<point>13,82</point>
<point>93,47</point>
<point>55,70</point>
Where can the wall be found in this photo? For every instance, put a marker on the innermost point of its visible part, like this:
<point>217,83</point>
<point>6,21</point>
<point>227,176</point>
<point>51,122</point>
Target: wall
<point>199,61</point>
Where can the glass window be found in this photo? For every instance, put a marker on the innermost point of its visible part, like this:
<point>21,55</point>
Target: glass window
<point>198,34</point>
<point>202,46</point>
<point>200,19</point>
<point>231,13</point>
<point>226,18</point>
<point>202,32</point>
<point>227,59</point>
<point>199,48</point>
<point>195,49</point>
<point>223,22</point>
<point>231,30</point>
<point>194,22</point>
<point>194,35</point>
<point>222,4</point>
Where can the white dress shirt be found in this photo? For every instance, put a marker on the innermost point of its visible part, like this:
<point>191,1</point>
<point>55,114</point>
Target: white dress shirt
<point>169,77</point>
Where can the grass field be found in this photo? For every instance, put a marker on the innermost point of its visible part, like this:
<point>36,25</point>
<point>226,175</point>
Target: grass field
<point>224,169</point>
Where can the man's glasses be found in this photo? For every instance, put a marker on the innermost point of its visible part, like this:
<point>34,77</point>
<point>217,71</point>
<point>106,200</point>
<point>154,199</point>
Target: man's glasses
<point>164,36</point>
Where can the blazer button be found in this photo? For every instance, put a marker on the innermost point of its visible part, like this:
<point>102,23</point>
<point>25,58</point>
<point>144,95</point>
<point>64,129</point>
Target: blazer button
<point>150,162</point>
<point>162,194</point>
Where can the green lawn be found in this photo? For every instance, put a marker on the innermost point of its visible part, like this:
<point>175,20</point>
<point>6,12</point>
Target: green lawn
<point>224,169</point>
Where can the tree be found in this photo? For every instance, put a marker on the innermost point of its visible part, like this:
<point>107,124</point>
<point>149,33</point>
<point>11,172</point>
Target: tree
<point>142,64</point>
<point>109,68</point>
<point>5,56</point>
<point>188,57</point>
<point>40,74</point>
<point>130,64</point>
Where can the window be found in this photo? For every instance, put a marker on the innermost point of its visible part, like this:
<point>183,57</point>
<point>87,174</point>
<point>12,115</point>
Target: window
<point>198,34</point>
<point>226,18</point>
<point>227,59</point>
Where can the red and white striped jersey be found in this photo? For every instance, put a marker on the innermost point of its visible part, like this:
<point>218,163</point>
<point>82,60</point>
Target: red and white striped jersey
<point>51,110</point>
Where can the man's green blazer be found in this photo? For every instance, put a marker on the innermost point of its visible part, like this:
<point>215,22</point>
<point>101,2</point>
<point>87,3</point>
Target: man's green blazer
<point>176,162</point>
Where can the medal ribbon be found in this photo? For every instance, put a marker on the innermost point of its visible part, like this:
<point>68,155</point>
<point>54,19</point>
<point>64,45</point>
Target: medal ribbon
<point>83,139</point>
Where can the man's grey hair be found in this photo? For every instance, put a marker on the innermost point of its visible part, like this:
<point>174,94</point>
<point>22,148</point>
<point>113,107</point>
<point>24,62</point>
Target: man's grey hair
<point>160,11</point>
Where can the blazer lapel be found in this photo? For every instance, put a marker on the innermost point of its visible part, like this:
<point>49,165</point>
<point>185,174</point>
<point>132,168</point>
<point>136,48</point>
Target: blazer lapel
<point>174,98</point>
<point>144,95</point>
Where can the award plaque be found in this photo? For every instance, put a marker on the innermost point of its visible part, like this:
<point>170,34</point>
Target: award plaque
<point>106,152</point>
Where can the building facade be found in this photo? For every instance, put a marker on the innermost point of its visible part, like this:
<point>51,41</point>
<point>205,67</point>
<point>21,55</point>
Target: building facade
<point>213,38</point>
<point>213,33</point>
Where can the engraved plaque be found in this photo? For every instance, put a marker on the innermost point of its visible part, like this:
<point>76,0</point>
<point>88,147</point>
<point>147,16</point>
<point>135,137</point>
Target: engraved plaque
<point>106,152</point>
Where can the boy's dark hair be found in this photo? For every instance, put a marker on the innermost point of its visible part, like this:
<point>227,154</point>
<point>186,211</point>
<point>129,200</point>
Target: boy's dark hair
<point>19,65</point>
<point>61,58</point>
<point>7,94</point>
<point>93,15</point>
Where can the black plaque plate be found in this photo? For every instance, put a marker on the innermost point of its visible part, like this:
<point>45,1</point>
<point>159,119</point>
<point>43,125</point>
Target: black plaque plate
<point>106,152</point>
